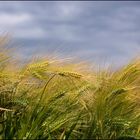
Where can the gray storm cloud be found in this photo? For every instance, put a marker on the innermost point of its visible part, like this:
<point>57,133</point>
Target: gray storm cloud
<point>89,30</point>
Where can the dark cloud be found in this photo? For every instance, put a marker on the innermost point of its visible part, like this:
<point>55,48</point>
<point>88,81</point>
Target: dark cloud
<point>87,30</point>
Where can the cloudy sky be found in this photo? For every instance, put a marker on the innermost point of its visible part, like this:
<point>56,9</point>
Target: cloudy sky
<point>102,32</point>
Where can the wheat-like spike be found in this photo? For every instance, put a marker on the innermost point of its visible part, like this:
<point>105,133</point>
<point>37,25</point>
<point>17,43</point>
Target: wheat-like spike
<point>84,88</point>
<point>72,74</point>
<point>37,66</point>
<point>37,75</point>
<point>34,69</point>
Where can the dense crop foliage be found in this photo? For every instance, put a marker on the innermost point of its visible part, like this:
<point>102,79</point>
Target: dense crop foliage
<point>51,99</point>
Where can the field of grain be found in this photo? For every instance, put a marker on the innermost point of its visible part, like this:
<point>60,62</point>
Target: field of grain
<point>55,99</point>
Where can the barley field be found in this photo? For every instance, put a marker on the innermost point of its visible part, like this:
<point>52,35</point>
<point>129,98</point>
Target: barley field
<point>59,99</point>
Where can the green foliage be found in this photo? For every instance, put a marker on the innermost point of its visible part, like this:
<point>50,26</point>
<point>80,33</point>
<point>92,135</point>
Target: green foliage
<point>52,100</point>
